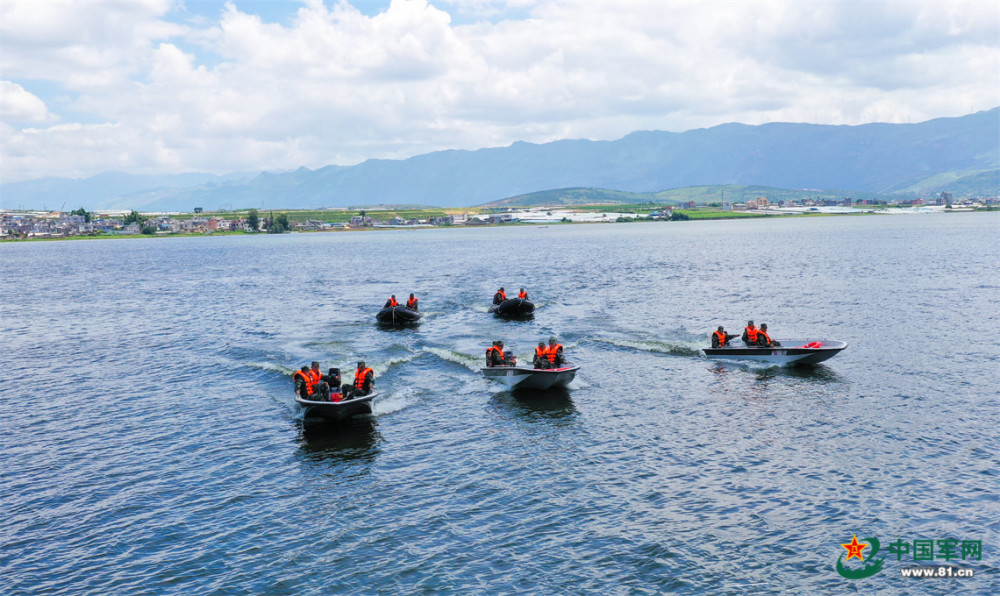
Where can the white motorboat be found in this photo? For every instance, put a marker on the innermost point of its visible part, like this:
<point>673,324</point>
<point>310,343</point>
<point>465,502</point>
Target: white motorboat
<point>522,377</point>
<point>791,352</point>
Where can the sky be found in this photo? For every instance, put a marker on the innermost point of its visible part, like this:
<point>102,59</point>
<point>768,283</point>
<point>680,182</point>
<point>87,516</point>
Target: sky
<point>170,86</point>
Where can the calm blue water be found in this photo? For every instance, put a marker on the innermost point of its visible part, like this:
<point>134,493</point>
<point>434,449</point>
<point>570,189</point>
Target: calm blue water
<point>150,443</point>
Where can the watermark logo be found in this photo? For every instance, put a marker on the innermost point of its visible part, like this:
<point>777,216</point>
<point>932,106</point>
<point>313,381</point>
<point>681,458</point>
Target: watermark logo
<point>860,557</point>
<point>870,565</point>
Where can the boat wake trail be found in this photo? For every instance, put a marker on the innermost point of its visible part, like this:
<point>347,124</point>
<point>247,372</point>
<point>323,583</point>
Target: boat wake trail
<point>664,347</point>
<point>396,400</point>
<point>285,370</point>
<point>473,363</point>
<point>380,368</point>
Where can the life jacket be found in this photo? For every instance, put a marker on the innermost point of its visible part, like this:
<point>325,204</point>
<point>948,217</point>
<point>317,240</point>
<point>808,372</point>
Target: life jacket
<point>315,376</point>
<point>392,302</point>
<point>306,380</point>
<point>766,337</point>
<point>489,354</point>
<point>552,352</point>
<point>359,378</point>
<point>523,295</point>
<point>502,294</point>
<point>542,353</point>
<point>752,334</point>
<point>721,336</point>
<point>411,303</point>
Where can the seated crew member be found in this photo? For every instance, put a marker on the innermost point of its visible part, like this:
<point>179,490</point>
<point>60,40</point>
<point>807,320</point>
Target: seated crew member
<point>332,379</point>
<point>764,340</point>
<point>412,302</point>
<point>303,382</point>
<point>509,358</point>
<point>321,390</point>
<point>720,338</point>
<point>541,359</point>
<point>500,296</point>
<point>749,336</point>
<point>391,302</point>
<point>494,354</point>
<point>522,294</point>
<point>555,354</point>
<point>364,379</point>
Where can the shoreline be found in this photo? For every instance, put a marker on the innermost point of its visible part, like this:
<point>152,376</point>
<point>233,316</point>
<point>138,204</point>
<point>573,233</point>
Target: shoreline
<point>712,216</point>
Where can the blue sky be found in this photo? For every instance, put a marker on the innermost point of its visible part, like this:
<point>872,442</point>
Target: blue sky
<point>163,86</point>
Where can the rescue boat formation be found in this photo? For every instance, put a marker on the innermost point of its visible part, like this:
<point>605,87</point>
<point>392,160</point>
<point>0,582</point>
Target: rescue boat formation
<point>786,352</point>
<point>791,352</point>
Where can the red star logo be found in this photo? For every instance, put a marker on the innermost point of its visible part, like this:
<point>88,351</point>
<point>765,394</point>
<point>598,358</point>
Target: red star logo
<point>854,548</point>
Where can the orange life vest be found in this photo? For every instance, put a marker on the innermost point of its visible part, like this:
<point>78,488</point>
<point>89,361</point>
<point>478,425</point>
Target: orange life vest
<point>392,302</point>
<point>503,295</point>
<point>306,380</point>
<point>522,294</point>
<point>752,334</point>
<point>359,378</point>
<point>766,337</point>
<point>541,352</point>
<point>315,376</point>
<point>721,336</point>
<point>489,354</point>
<point>411,303</point>
<point>552,352</point>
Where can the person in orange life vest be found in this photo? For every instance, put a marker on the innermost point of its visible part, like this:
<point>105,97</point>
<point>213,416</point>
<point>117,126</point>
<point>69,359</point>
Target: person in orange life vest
<point>303,382</point>
<point>541,359</point>
<point>720,338</point>
<point>749,336</point>
<point>522,294</point>
<point>321,391</point>
<point>494,354</point>
<point>500,296</point>
<point>391,302</point>
<point>764,340</point>
<point>555,353</point>
<point>411,303</point>
<point>364,379</point>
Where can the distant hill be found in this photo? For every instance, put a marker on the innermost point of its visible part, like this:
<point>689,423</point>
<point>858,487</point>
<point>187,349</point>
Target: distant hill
<point>959,155</point>
<point>703,195</point>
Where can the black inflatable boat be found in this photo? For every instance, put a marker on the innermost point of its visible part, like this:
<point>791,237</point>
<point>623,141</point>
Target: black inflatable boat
<point>514,308</point>
<point>397,315</point>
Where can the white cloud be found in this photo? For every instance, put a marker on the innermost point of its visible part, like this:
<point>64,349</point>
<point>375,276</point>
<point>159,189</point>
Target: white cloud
<point>333,85</point>
<point>18,105</point>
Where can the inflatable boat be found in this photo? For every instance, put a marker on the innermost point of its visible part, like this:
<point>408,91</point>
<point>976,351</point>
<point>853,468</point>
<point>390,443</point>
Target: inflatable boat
<point>514,308</point>
<point>521,377</point>
<point>397,315</point>
<point>336,411</point>
<point>791,352</point>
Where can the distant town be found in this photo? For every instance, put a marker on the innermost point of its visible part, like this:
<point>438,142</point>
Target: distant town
<point>23,224</point>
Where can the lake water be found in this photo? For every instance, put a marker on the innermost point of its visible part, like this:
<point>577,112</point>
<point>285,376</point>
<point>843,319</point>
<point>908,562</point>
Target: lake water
<point>150,443</point>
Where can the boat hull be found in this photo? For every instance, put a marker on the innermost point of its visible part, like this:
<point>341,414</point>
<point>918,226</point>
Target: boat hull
<point>514,308</point>
<point>792,352</point>
<point>336,411</point>
<point>397,315</point>
<point>518,377</point>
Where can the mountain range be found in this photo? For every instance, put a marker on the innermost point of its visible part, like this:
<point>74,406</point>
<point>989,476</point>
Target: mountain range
<point>959,155</point>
